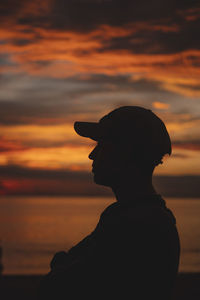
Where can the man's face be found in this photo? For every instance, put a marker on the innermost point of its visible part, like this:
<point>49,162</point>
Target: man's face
<point>109,162</point>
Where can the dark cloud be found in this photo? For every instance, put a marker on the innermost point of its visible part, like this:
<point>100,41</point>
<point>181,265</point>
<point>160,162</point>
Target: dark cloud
<point>69,182</point>
<point>16,113</point>
<point>125,83</point>
<point>178,186</point>
<point>42,63</point>
<point>21,42</point>
<point>188,145</point>
<point>13,113</point>
<point>151,38</point>
<point>86,16</point>
<point>50,182</point>
<point>158,41</point>
<point>10,7</point>
<point>192,87</point>
<point>17,172</point>
<point>6,146</point>
<point>184,114</point>
<point>5,61</point>
<point>54,101</point>
<point>180,155</point>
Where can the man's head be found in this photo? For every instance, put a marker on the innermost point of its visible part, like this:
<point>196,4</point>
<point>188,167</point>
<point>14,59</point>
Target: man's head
<point>128,138</point>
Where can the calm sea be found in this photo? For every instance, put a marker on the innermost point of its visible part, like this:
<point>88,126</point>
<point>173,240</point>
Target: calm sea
<point>32,229</point>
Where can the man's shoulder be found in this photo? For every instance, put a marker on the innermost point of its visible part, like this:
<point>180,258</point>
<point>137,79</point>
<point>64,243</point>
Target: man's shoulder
<point>137,216</point>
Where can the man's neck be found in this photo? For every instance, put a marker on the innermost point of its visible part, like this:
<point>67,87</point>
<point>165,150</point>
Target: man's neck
<point>127,191</point>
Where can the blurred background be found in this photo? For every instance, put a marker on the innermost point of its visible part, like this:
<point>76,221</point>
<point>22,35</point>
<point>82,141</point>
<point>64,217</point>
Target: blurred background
<point>66,61</point>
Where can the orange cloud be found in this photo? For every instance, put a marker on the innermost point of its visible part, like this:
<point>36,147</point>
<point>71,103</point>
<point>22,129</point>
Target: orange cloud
<point>63,54</point>
<point>10,146</point>
<point>160,105</point>
<point>71,151</point>
<point>30,132</point>
<point>50,158</point>
<point>33,146</point>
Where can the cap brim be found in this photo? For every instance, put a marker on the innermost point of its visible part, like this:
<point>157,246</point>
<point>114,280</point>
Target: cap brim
<point>88,129</point>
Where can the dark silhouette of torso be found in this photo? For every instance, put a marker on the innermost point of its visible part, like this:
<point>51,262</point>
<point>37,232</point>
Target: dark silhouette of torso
<point>133,253</point>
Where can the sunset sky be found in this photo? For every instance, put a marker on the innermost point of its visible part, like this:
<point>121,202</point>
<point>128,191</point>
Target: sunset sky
<point>76,60</point>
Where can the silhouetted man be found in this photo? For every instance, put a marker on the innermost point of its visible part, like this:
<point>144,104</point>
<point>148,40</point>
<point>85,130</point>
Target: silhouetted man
<point>133,253</point>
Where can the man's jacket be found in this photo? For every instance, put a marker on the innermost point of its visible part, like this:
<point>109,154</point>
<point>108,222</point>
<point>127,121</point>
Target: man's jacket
<point>133,253</point>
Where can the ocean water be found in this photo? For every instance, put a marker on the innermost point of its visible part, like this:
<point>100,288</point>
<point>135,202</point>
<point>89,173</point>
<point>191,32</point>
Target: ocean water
<point>32,229</point>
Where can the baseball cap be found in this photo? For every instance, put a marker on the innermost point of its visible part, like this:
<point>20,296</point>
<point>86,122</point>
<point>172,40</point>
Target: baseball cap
<point>133,126</point>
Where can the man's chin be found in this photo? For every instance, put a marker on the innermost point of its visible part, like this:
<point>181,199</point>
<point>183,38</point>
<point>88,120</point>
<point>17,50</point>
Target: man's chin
<point>102,180</point>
